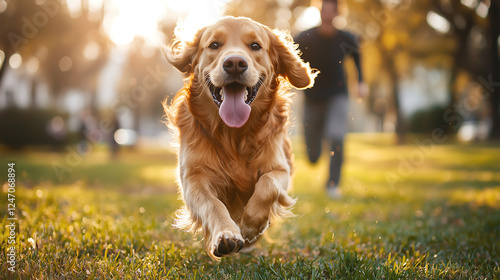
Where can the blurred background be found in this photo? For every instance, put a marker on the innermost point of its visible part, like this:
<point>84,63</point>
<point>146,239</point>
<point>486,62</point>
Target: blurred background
<point>81,86</point>
<point>87,72</point>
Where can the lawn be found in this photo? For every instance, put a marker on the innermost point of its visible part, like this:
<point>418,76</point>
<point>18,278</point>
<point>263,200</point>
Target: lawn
<point>410,211</point>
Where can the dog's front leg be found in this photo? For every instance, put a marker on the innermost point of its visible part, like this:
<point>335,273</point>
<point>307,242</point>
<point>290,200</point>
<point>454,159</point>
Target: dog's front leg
<point>270,194</point>
<point>222,235</point>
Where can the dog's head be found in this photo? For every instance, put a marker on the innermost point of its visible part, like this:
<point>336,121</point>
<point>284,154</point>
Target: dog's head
<point>235,63</point>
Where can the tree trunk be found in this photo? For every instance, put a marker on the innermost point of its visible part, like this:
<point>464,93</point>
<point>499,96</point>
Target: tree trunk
<point>94,110</point>
<point>494,16</point>
<point>400,125</point>
<point>3,67</point>
<point>33,93</point>
<point>137,121</point>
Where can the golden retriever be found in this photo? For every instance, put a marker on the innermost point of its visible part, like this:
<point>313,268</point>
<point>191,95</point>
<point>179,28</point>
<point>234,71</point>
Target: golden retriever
<point>231,116</point>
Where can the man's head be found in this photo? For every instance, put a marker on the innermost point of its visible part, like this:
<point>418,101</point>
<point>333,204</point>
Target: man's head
<point>328,11</point>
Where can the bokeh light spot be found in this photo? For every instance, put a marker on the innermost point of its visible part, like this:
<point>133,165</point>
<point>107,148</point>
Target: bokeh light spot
<point>469,3</point>
<point>125,136</point>
<point>74,7</point>
<point>32,65</point>
<point>57,124</point>
<point>15,61</point>
<point>2,57</point>
<point>482,10</point>
<point>467,132</point>
<point>3,6</point>
<point>65,63</point>
<point>91,51</point>
<point>437,22</point>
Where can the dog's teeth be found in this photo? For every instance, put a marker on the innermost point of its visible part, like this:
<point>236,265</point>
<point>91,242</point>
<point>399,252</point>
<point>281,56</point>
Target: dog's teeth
<point>222,96</point>
<point>246,95</point>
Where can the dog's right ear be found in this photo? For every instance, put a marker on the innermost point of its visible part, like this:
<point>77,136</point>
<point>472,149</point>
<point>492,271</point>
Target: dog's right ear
<point>183,54</point>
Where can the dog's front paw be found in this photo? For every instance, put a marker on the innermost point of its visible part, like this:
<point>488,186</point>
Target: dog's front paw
<point>227,243</point>
<point>252,229</point>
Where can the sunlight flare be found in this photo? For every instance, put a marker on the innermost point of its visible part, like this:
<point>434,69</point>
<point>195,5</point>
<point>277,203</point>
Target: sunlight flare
<point>126,20</point>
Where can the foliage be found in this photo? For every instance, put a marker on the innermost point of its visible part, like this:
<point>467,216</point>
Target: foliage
<point>112,219</point>
<point>46,33</point>
<point>23,127</point>
<point>424,121</point>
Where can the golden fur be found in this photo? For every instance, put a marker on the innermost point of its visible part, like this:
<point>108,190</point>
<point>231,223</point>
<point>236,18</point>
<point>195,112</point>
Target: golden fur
<point>234,181</point>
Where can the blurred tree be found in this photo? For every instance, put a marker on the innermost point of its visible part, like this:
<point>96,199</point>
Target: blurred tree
<point>275,14</point>
<point>475,29</point>
<point>387,25</point>
<point>15,26</point>
<point>65,49</point>
<point>77,53</point>
<point>494,22</point>
<point>402,35</point>
<point>145,82</point>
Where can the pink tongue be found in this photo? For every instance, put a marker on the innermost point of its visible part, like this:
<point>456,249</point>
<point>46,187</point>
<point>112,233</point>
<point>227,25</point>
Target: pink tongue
<point>234,111</point>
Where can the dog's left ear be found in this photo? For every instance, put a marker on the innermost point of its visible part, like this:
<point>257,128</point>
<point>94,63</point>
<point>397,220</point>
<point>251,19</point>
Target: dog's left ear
<point>183,54</point>
<point>289,64</point>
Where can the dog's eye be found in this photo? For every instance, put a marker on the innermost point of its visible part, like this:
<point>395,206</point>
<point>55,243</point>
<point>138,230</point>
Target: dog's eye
<point>255,47</point>
<point>214,46</point>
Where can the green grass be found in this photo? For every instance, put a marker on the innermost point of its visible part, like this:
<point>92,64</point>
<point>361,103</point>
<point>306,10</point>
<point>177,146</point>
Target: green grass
<point>438,217</point>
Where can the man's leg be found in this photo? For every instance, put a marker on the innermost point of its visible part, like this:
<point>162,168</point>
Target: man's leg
<point>336,160</point>
<point>336,129</point>
<point>314,121</point>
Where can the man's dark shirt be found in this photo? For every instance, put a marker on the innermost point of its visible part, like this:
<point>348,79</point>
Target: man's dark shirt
<point>327,54</point>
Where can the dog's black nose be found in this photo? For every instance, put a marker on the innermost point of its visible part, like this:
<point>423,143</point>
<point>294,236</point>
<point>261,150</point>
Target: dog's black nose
<point>235,64</point>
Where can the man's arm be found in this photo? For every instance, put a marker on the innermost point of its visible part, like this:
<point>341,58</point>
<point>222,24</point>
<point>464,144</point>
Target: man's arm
<point>356,56</point>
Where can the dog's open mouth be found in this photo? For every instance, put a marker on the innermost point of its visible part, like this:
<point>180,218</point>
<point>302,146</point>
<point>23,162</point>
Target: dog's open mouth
<point>249,96</point>
<point>234,101</point>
